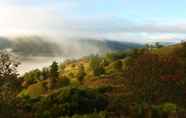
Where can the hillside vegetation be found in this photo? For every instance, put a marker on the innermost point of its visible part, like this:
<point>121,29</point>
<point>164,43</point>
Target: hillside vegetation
<point>147,82</point>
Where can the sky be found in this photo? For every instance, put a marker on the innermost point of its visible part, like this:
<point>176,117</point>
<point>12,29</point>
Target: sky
<point>127,20</point>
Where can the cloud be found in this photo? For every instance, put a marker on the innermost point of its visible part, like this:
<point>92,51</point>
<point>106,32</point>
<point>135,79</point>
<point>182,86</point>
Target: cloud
<point>107,24</point>
<point>144,37</point>
<point>29,19</point>
<point>122,29</point>
<point>26,2</point>
<point>60,19</point>
<point>33,16</point>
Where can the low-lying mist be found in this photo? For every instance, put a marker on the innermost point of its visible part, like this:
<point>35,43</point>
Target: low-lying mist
<point>37,52</point>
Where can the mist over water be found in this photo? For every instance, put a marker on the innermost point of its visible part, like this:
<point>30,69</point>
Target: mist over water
<point>35,58</point>
<point>37,63</point>
<point>36,52</point>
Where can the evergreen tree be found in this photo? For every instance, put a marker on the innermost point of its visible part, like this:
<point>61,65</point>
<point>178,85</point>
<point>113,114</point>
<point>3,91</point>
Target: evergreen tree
<point>54,74</point>
<point>81,73</point>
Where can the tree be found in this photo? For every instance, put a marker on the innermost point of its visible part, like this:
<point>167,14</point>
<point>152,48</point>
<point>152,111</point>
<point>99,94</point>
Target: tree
<point>96,65</point>
<point>69,101</point>
<point>54,75</point>
<point>54,70</point>
<point>32,77</point>
<point>151,77</point>
<point>8,66</point>
<point>158,45</point>
<point>113,56</point>
<point>45,73</point>
<point>118,65</point>
<point>81,73</point>
<point>9,84</point>
<point>8,70</point>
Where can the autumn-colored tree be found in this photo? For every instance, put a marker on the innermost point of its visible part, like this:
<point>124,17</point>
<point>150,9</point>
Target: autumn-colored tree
<point>146,77</point>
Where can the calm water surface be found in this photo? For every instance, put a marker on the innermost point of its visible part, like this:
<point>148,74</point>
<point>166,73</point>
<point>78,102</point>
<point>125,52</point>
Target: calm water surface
<point>31,63</point>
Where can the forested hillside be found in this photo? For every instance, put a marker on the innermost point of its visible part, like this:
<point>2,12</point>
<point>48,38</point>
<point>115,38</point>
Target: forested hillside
<point>145,83</point>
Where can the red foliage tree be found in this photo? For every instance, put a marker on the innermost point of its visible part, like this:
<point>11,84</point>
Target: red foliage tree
<point>152,76</point>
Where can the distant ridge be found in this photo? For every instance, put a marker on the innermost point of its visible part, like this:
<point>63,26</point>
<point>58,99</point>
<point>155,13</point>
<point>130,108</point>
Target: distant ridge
<point>38,46</point>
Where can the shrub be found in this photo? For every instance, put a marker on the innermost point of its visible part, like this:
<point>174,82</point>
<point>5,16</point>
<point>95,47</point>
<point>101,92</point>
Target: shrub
<point>113,56</point>
<point>168,107</point>
<point>102,114</point>
<point>64,82</point>
<point>33,77</point>
<point>81,73</point>
<point>96,65</point>
<point>69,101</point>
<point>37,89</point>
<point>103,89</point>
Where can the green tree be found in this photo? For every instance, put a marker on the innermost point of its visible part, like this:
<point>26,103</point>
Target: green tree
<point>118,65</point>
<point>54,75</point>
<point>158,45</point>
<point>32,77</point>
<point>113,56</point>
<point>9,84</point>
<point>96,64</point>
<point>69,101</point>
<point>45,73</point>
<point>8,66</point>
<point>54,70</point>
<point>81,73</point>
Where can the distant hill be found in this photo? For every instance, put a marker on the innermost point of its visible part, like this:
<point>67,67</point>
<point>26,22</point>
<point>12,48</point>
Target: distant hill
<point>111,44</point>
<point>38,46</point>
<point>84,47</point>
<point>34,46</point>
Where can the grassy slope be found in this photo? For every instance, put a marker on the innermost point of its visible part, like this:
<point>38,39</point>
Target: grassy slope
<point>168,49</point>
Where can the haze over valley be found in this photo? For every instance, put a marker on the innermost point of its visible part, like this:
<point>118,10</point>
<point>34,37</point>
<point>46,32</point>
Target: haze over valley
<point>38,52</point>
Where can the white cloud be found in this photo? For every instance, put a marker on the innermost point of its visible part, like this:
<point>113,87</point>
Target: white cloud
<point>15,19</point>
<point>147,37</point>
<point>51,17</point>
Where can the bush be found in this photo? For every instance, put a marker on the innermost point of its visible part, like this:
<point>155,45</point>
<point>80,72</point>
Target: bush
<point>115,56</point>
<point>96,65</point>
<point>64,82</point>
<point>103,89</point>
<point>101,114</point>
<point>169,107</point>
<point>81,73</point>
<point>115,67</point>
<point>118,105</point>
<point>37,89</point>
<point>69,101</point>
<point>33,76</point>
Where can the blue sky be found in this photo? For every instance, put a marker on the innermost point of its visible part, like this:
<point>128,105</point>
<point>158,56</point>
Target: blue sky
<point>127,20</point>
